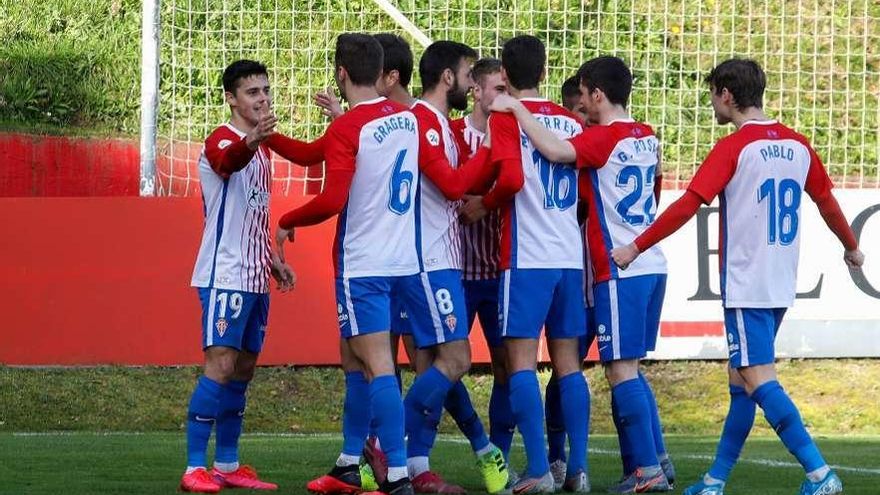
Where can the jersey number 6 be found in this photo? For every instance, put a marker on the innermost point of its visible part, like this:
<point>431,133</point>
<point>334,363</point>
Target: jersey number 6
<point>401,186</point>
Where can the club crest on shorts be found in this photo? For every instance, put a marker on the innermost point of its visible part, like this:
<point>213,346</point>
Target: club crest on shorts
<point>451,320</point>
<point>221,325</point>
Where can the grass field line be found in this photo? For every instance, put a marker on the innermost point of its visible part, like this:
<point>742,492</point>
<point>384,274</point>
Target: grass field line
<point>455,440</point>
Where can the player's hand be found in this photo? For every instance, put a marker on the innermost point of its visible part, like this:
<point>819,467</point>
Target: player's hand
<point>472,210</point>
<point>504,103</point>
<point>625,255</point>
<point>282,235</point>
<point>854,259</point>
<point>328,102</point>
<point>265,127</point>
<point>283,274</point>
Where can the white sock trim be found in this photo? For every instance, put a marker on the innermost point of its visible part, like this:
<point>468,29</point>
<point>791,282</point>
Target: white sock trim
<point>226,467</point>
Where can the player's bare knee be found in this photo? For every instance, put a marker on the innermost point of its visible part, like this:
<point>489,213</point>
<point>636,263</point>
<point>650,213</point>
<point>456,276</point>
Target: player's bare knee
<point>454,359</point>
<point>220,363</point>
<point>620,371</point>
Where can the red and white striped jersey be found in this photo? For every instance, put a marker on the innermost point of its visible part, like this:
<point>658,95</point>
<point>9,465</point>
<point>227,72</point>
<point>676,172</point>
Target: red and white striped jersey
<point>621,160</point>
<point>437,220</point>
<point>235,253</point>
<point>760,172</point>
<point>480,252</point>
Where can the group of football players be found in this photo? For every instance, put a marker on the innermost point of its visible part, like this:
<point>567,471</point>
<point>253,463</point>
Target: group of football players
<point>530,215</point>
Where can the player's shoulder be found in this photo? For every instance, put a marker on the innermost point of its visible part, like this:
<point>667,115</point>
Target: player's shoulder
<point>222,136</point>
<point>351,122</point>
<point>458,125</point>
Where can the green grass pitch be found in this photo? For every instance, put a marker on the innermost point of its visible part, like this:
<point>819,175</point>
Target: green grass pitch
<point>151,463</point>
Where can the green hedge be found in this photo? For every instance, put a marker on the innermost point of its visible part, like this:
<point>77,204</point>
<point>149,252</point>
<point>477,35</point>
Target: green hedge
<point>73,66</point>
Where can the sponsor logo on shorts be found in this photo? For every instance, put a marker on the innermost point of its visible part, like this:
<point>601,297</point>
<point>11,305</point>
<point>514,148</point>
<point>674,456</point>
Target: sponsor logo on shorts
<point>341,316</point>
<point>221,326</point>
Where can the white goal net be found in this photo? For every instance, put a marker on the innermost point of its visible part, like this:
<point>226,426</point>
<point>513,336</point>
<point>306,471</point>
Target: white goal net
<point>822,60</point>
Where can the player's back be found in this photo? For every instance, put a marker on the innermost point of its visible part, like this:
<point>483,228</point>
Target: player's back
<point>540,227</point>
<point>760,213</point>
<point>376,233</point>
<point>235,252</point>
<point>440,246</point>
<point>623,157</point>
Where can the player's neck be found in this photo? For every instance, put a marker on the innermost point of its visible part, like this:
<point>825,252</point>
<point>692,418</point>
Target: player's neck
<point>613,114</point>
<point>751,113</point>
<point>360,94</point>
<point>524,93</point>
<point>401,95</point>
<point>240,123</point>
<point>478,119</point>
<point>438,100</point>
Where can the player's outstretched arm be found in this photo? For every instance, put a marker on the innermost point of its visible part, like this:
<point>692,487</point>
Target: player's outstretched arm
<point>666,224</point>
<point>833,216</point>
<point>299,152</point>
<point>455,182</point>
<point>553,148</point>
<point>818,186</point>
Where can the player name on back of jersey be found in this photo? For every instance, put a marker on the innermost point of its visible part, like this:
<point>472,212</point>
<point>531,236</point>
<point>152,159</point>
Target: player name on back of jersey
<point>564,124</point>
<point>389,125</point>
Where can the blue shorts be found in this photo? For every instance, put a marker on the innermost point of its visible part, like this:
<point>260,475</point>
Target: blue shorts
<point>628,316</point>
<point>481,297</point>
<point>234,319</point>
<point>585,341</point>
<point>532,298</point>
<point>751,333</point>
<point>435,307</point>
<point>400,324</point>
<point>363,304</point>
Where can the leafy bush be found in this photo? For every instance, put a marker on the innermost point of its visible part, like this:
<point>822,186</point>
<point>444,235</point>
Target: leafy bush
<point>75,64</point>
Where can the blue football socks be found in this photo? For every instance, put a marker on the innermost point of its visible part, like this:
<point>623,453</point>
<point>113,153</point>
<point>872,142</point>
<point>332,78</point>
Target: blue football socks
<point>386,407</point>
<point>635,418</point>
<point>737,425</point>
<point>229,420</point>
<point>575,399</point>
<point>458,403</point>
<point>203,408</point>
<point>356,417</point>
<point>525,402</point>
<point>501,420</point>
<point>656,426</point>
<point>555,423</point>
<point>424,405</point>
<point>784,417</point>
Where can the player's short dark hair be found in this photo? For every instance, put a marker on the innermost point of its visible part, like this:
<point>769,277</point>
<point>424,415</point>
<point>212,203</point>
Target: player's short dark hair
<point>744,78</point>
<point>523,58</point>
<point>397,56</point>
<point>485,67</point>
<point>571,88</point>
<point>610,75</point>
<point>241,69</point>
<point>438,57</point>
<point>361,56</point>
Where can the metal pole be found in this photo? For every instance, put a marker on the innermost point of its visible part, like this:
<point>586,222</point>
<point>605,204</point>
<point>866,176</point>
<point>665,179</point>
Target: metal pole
<point>149,94</point>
